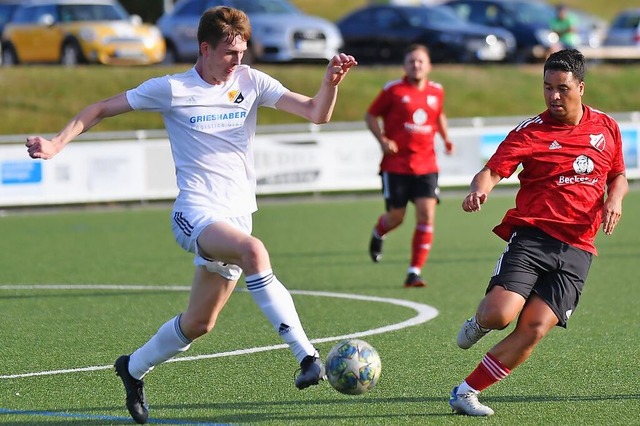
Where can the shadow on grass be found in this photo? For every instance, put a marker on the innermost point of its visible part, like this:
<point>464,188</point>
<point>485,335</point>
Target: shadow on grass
<point>281,411</point>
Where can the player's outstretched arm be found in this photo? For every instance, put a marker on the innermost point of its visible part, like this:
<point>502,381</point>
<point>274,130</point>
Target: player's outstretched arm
<point>481,185</point>
<point>319,109</point>
<point>45,149</point>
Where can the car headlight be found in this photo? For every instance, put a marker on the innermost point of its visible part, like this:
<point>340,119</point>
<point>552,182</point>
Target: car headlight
<point>491,39</point>
<point>154,32</point>
<point>150,42</point>
<point>545,37</point>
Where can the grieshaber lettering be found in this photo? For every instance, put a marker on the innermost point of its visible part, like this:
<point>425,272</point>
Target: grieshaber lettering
<point>215,117</point>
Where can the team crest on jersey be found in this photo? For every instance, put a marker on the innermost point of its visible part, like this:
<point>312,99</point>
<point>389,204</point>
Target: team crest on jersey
<point>420,116</point>
<point>235,96</point>
<point>405,99</point>
<point>583,165</point>
<point>598,141</point>
<point>432,101</point>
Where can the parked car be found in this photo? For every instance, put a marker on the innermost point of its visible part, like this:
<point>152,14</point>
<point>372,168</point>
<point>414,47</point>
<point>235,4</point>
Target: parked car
<point>7,7</point>
<point>529,21</point>
<point>591,29</point>
<point>380,33</point>
<point>280,32</point>
<point>71,32</point>
<point>624,29</point>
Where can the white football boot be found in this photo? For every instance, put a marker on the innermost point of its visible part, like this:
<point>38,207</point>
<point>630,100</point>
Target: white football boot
<point>467,403</point>
<point>470,333</point>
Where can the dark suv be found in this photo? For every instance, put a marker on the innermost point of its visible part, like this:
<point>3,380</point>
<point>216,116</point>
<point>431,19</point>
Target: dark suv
<point>529,21</point>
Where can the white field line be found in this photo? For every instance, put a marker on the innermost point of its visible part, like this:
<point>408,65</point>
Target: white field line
<point>424,314</point>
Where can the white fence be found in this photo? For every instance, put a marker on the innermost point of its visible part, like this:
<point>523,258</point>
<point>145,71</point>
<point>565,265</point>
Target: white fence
<point>137,166</point>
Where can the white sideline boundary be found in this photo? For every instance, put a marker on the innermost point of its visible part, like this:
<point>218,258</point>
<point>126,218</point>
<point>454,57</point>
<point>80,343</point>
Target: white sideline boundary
<point>424,314</point>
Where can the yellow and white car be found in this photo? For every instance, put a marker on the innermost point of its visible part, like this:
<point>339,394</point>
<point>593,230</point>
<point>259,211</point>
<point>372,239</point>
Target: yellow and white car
<point>72,32</point>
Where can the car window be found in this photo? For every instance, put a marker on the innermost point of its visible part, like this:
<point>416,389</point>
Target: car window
<point>264,6</point>
<point>6,10</point>
<point>90,12</point>
<point>190,8</point>
<point>31,15</point>
<point>360,18</point>
<point>479,13</point>
<point>627,21</point>
<point>433,16</point>
<point>486,15</point>
<point>24,15</point>
<point>531,13</point>
<point>386,18</point>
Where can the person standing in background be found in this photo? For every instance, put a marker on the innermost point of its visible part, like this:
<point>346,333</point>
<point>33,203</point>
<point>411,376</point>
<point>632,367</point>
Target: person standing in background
<point>404,118</point>
<point>565,25</point>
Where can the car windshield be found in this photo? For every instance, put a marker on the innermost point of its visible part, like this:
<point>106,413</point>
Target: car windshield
<point>6,10</point>
<point>265,6</point>
<point>433,16</point>
<point>531,13</point>
<point>91,12</point>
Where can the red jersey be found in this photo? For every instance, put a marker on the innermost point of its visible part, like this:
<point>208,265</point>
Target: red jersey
<point>410,118</point>
<point>564,175</point>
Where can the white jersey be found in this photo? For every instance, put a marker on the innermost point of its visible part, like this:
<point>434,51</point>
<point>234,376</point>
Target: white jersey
<point>211,130</point>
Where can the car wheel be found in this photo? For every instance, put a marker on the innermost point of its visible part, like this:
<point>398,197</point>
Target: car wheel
<point>9,57</point>
<point>71,54</point>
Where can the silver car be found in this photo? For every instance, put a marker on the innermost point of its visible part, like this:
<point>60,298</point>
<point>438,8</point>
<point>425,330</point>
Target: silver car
<point>625,29</point>
<point>280,32</point>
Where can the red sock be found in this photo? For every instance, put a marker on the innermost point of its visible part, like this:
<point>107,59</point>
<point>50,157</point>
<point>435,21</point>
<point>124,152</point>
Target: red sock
<point>488,372</point>
<point>421,245</point>
<point>381,229</point>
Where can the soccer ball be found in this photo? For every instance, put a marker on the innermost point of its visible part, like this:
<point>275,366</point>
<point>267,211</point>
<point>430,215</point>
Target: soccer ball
<point>353,367</point>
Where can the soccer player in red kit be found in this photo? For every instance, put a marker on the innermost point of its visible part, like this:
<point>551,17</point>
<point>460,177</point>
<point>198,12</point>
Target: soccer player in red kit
<point>572,182</point>
<point>412,113</point>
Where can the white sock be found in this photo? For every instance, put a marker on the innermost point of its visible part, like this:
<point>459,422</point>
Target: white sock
<point>465,388</point>
<point>276,304</point>
<point>165,344</point>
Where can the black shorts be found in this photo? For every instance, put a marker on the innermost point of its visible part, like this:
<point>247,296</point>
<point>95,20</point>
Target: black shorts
<point>555,271</point>
<point>399,189</point>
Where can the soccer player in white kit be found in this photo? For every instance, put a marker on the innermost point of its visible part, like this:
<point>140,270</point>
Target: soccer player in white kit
<point>210,115</point>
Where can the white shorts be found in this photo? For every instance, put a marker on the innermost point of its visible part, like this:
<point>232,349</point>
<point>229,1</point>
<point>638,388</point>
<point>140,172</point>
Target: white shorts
<point>187,226</point>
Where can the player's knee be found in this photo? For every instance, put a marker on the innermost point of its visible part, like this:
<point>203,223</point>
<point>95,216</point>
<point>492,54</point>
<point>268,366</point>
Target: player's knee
<point>254,255</point>
<point>394,220</point>
<point>193,328</point>
<point>494,319</point>
<point>532,332</point>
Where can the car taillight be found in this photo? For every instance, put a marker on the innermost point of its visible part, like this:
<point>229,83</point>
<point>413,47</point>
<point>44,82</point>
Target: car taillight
<point>636,37</point>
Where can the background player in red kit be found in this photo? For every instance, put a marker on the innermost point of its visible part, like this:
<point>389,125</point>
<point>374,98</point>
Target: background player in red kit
<point>412,112</point>
<point>572,180</point>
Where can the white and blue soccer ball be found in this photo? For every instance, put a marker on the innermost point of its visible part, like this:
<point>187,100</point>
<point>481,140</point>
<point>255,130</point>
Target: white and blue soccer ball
<point>353,367</point>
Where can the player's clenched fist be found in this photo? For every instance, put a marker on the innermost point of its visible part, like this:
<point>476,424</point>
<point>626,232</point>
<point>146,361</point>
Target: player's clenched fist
<point>338,67</point>
<point>472,202</point>
<point>39,147</point>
